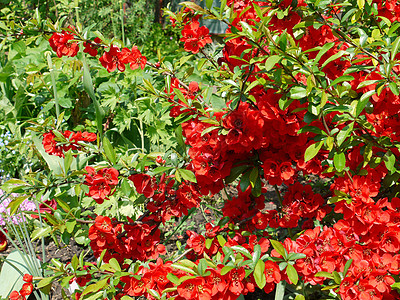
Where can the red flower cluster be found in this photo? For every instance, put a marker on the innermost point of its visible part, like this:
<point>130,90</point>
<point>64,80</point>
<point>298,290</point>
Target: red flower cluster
<point>101,183</point>
<point>216,285</point>
<point>195,37</point>
<point>111,60</point>
<point>53,146</point>
<point>117,59</point>
<point>133,240</point>
<point>26,290</point>
<point>166,201</point>
<point>60,43</point>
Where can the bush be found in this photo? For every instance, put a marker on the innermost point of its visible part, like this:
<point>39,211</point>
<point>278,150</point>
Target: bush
<point>298,107</point>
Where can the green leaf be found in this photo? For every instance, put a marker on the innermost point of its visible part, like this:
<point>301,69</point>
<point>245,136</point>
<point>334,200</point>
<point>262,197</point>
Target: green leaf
<point>221,240</point>
<point>361,4</point>
<point>363,101</point>
<point>339,161</point>
<point>312,150</point>
<point>88,87</point>
<point>95,287</point>
<point>209,3</point>
<point>188,175</point>
<point>324,99</point>
<point>344,133</point>
<point>390,161</point>
<point>174,279</point>
<point>75,262</point>
<point>294,256</point>
<point>321,52</point>
<point>15,203</point>
<point>280,290</point>
<point>114,264</point>
<point>180,95</point>
<point>253,176</point>
<point>68,160</point>
<point>235,172</point>
<point>242,250</point>
<point>341,79</point>
<point>109,151</point>
<point>226,270</point>
<point>297,92</point>
<point>271,62</point>
<point>41,232</point>
<point>45,282</point>
<point>159,170</point>
<point>395,48</point>
<point>347,266</point>
<point>193,6</point>
<point>394,88</point>
<point>256,254</point>
<point>336,277</point>
<point>279,248</point>
<point>183,268</point>
<point>332,58</point>
<point>63,205</point>
<point>259,275</point>
<point>292,274</point>
<point>324,274</point>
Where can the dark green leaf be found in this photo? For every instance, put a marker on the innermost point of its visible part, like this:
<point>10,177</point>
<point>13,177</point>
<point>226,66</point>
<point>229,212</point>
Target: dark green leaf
<point>109,151</point>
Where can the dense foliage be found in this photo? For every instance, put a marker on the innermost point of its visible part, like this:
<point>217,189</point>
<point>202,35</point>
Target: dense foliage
<point>301,99</point>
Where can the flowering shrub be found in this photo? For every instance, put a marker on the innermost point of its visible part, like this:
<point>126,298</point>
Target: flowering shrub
<point>299,90</point>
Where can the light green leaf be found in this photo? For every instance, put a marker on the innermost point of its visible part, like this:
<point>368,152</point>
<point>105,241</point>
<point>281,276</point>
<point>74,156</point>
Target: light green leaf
<point>339,160</point>
<point>259,275</point>
<point>312,150</point>
<point>271,62</point>
<point>280,290</point>
<point>279,248</point>
<point>188,175</point>
<point>93,288</point>
<point>297,92</point>
<point>292,274</point>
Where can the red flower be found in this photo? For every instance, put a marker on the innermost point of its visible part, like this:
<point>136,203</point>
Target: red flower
<point>27,278</point>
<point>101,183</point>
<point>90,48</point>
<point>195,37</point>
<point>53,147</point>
<point>195,288</point>
<point>60,43</point>
<point>144,184</point>
<point>196,242</point>
<point>111,60</point>
<point>16,296</point>
<point>27,289</point>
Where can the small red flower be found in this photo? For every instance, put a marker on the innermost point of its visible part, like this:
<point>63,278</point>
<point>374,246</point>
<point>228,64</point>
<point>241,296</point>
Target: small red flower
<point>90,48</point>
<point>27,289</point>
<point>27,278</point>
<point>16,296</point>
